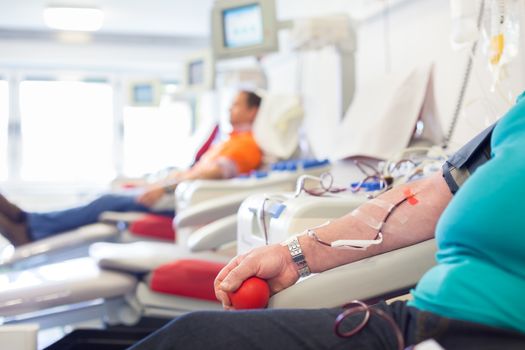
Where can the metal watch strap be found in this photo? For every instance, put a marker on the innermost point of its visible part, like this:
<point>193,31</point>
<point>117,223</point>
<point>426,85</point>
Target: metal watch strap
<point>298,258</point>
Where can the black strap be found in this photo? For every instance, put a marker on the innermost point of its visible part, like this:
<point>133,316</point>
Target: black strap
<point>464,162</point>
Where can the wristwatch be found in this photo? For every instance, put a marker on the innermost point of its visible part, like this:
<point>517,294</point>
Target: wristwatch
<point>297,256</point>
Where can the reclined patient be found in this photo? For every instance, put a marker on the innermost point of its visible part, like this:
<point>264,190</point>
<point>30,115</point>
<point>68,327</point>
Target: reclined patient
<point>472,299</point>
<point>238,154</point>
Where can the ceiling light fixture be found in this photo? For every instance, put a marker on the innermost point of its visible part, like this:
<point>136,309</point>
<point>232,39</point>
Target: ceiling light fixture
<point>74,18</point>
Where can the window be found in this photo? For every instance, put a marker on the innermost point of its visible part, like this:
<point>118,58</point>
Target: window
<point>4,117</point>
<point>156,137</point>
<point>66,131</point>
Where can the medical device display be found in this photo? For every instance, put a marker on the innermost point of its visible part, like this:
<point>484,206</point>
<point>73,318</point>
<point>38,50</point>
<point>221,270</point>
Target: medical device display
<point>196,72</point>
<point>199,72</point>
<point>144,93</point>
<point>243,28</point>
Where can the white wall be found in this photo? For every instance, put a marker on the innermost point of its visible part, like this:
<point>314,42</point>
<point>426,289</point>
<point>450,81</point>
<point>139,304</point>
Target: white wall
<point>37,54</point>
<point>418,32</point>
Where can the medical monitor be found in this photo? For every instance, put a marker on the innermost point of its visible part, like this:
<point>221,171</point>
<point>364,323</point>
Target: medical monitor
<point>244,28</point>
<point>199,72</point>
<point>144,93</point>
<point>196,72</point>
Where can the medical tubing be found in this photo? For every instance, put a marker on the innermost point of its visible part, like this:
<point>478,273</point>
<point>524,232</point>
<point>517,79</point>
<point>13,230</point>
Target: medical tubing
<point>261,217</point>
<point>378,226</point>
<point>357,244</point>
<point>367,219</point>
<point>300,185</point>
<point>362,307</point>
<point>466,78</point>
<point>262,220</point>
<point>362,165</point>
<point>378,202</point>
<point>324,187</point>
<point>387,206</point>
<point>383,183</point>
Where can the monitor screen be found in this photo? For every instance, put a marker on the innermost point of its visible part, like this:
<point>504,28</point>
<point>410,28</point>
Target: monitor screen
<point>143,94</point>
<point>243,26</point>
<point>196,72</point>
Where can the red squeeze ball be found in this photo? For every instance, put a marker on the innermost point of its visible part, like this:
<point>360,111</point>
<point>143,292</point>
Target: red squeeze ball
<point>252,294</point>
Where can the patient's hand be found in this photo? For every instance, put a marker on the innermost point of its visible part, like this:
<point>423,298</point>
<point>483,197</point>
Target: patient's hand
<point>272,263</point>
<point>151,195</point>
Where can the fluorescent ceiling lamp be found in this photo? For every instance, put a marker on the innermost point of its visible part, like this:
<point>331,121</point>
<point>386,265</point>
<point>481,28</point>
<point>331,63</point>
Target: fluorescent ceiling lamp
<point>74,18</point>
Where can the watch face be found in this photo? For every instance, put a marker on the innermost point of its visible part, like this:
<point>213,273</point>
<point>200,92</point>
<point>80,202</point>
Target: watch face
<point>298,260</point>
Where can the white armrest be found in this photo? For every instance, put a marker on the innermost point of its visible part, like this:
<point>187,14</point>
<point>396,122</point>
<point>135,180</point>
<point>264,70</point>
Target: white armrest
<point>20,336</point>
<point>210,210</point>
<point>165,203</point>
<point>364,279</point>
<point>139,257</point>
<point>115,217</point>
<point>190,193</point>
<point>63,283</point>
<point>290,216</point>
<point>214,235</point>
<point>84,234</point>
<point>156,304</point>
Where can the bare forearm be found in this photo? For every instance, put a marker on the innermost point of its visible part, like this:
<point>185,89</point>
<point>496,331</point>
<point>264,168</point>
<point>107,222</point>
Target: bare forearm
<point>170,179</point>
<point>409,223</point>
<point>209,171</point>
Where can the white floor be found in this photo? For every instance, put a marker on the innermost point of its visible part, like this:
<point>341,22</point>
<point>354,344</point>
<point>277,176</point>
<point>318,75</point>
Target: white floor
<point>42,198</point>
<point>49,336</point>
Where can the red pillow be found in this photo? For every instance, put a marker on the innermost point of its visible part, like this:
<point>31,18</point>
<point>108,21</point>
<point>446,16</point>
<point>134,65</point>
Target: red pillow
<point>155,226</point>
<point>187,277</point>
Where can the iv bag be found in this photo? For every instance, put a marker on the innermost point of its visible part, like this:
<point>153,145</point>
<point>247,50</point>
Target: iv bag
<point>501,30</point>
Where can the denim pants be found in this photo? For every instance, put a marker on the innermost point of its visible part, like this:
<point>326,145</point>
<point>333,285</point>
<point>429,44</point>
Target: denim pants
<point>42,225</point>
<point>314,329</point>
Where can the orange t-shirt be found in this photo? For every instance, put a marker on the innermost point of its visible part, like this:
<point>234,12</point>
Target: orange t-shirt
<point>240,148</point>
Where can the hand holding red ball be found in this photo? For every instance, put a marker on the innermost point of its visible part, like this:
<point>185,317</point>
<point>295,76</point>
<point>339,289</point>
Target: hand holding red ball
<point>253,293</point>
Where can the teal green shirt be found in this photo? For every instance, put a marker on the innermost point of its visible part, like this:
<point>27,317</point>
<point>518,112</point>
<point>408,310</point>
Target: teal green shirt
<point>480,276</point>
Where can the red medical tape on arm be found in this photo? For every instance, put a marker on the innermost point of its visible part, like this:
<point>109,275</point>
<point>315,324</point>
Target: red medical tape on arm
<point>411,199</point>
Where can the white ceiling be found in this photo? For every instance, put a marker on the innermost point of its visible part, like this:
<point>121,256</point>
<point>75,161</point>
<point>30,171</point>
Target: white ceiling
<point>172,18</point>
<point>144,17</point>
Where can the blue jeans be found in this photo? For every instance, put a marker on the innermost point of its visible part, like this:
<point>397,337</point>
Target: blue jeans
<point>42,225</point>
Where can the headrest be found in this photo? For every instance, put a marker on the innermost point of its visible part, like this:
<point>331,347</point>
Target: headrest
<point>381,127</point>
<point>277,123</point>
